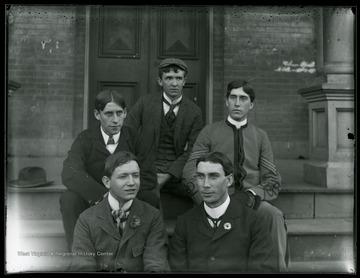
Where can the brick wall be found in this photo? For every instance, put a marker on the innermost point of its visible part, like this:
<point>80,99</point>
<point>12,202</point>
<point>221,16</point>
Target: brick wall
<point>46,55</point>
<point>274,47</point>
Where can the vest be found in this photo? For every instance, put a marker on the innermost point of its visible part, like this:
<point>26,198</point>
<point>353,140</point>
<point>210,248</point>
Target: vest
<point>166,149</point>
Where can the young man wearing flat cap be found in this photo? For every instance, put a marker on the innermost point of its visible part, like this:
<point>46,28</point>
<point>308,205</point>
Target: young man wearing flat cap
<point>170,122</point>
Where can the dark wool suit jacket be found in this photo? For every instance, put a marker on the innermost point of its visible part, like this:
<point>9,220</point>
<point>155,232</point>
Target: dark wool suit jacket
<point>241,243</point>
<point>146,116</point>
<point>98,245</point>
<point>83,168</point>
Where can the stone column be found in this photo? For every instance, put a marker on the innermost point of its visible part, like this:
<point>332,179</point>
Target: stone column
<point>331,104</point>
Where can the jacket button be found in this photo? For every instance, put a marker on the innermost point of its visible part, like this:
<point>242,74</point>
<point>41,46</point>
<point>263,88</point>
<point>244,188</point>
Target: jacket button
<point>212,258</point>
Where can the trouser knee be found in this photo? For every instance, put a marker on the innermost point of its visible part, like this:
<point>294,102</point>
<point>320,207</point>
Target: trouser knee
<point>72,203</point>
<point>71,206</point>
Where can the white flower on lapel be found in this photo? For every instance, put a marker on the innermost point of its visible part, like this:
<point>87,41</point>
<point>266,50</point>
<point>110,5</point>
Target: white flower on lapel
<point>227,226</point>
<point>135,221</point>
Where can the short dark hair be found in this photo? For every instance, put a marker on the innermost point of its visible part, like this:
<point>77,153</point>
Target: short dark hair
<point>106,96</point>
<point>241,84</point>
<point>167,69</point>
<point>117,159</point>
<point>220,158</point>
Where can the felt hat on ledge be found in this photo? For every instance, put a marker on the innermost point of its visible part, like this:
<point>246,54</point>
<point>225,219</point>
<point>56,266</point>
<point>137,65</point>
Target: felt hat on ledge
<point>31,176</point>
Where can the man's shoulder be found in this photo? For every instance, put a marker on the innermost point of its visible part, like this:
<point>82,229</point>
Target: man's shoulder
<point>129,130</point>
<point>255,129</point>
<point>189,102</point>
<point>89,213</point>
<point>89,131</point>
<point>215,125</point>
<point>147,208</point>
<point>192,213</point>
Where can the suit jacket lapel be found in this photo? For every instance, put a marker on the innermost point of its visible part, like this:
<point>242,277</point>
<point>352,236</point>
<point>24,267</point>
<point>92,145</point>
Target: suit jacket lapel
<point>227,223</point>
<point>203,225</point>
<point>136,210</point>
<point>180,117</point>
<point>157,111</point>
<point>124,137</point>
<point>106,221</point>
<point>98,140</point>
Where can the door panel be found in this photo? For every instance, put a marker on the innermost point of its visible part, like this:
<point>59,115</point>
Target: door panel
<point>127,44</point>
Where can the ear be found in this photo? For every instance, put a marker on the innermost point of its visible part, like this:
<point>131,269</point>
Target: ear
<point>97,114</point>
<point>106,181</point>
<point>160,81</point>
<point>125,113</point>
<point>227,102</point>
<point>251,105</point>
<point>230,180</point>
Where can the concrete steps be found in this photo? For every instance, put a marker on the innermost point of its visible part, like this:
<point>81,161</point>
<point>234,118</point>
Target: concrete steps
<point>40,244</point>
<point>319,221</point>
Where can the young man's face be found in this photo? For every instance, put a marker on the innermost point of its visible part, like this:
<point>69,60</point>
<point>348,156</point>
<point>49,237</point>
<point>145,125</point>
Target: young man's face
<point>124,182</point>
<point>212,183</point>
<point>172,83</point>
<point>111,118</point>
<point>238,104</point>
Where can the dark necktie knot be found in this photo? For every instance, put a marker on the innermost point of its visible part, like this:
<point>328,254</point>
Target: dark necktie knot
<point>215,221</point>
<point>111,140</point>
<point>170,115</point>
<point>119,217</point>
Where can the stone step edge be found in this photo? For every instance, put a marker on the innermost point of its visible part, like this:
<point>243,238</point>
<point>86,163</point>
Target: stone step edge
<point>293,188</point>
<point>322,267</point>
<point>331,226</point>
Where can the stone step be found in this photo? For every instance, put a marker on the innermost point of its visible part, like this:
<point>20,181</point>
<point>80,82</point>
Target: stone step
<point>322,267</point>
<point>35,203</point>
<point>309,201</point>
<point>41,243</point>
<point>295,201</point>
<point>297,198</point>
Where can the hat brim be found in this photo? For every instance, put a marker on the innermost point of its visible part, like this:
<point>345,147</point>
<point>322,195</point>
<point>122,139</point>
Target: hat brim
<point>16,184</point>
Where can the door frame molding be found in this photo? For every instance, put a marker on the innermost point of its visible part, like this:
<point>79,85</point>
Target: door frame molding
<point>208,75</point>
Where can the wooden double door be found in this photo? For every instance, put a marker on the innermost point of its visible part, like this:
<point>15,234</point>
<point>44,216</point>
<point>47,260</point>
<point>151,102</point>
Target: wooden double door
<point>127,44</point>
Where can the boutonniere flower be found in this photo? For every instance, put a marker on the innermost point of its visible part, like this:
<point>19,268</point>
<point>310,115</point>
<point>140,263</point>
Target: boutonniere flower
<point>227,226</point>
<point>135,221</point>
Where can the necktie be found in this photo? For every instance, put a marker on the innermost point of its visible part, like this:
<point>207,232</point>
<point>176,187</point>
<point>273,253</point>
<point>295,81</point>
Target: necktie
<point>170,115</point>
<point>111,140</point>
<point>119,217</point>
<point>239,171</point>
<point>215,221</point>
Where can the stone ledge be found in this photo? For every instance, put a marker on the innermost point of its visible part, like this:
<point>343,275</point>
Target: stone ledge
<point>36,228</point>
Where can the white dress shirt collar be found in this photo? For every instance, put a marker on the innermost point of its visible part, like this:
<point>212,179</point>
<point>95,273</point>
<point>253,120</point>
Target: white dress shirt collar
<point>114,204</point>
<point>166,107</point>
<point>106,137</point>
<point>236,123</point>
<point>218,211</point>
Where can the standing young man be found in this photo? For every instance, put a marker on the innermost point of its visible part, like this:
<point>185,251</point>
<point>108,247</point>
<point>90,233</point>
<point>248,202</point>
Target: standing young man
<point>256,180</point>
<point>121,233</point>
<point>83,168</point>
<point>220,235</point>
<point>170,122</point>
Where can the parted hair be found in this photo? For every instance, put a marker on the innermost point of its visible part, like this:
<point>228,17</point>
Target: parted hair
<point>219,158</point>
<point>106,96</point>
<point>117,159</point>
<point>241,84</point>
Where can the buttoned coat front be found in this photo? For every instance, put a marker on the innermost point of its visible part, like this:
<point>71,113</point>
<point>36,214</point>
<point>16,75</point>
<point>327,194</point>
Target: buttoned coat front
<point>98,245</point>
<point>240,244</point>
<point>146,115</point>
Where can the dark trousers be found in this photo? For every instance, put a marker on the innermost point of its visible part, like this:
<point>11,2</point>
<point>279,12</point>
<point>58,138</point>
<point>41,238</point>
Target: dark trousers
<point>72,205</point>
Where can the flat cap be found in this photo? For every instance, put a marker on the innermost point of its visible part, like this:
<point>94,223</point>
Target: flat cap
<point>173,61</point>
